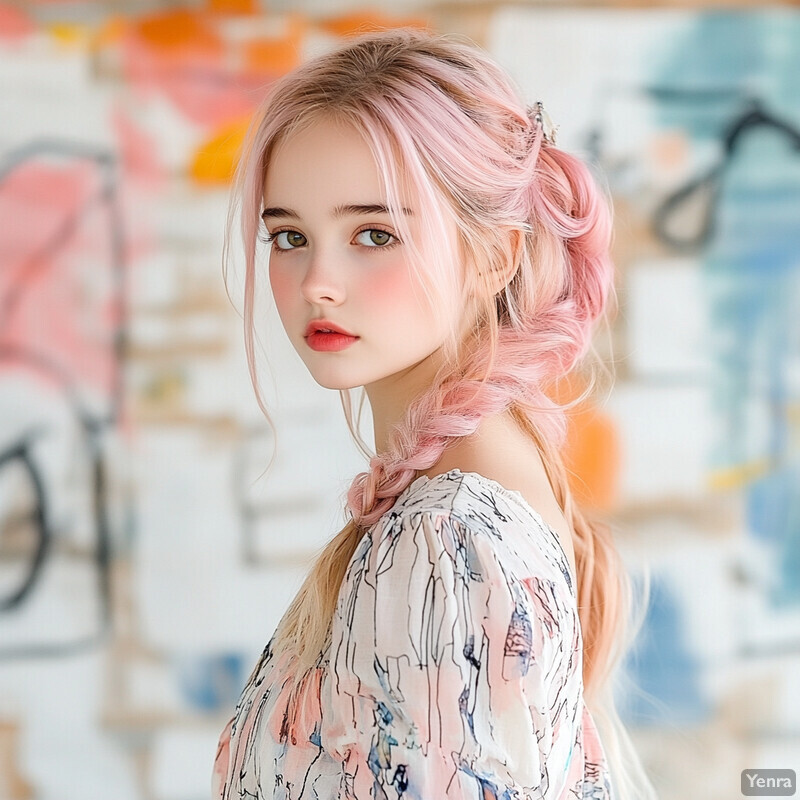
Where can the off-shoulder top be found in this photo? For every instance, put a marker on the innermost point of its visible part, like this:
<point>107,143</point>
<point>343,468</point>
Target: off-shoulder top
<point>453,670</point>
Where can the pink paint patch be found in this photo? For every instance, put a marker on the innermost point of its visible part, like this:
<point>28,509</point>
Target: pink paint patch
<point>194,73</point>
<point>138,151</point>
<point>197,84</point>
<point>142,177</point>
<point>14,24</point>
<point>57,293</point>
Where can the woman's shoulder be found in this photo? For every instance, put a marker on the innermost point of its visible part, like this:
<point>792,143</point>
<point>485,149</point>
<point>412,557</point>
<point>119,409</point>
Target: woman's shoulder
<point>504,453</point>
<point>469,504</point>
<point>470,495</point>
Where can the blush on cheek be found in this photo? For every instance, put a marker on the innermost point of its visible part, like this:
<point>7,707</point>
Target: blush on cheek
<point>392,284</point>
<point>281,286</point>
<point>396,300</point>
<point>285,295</point>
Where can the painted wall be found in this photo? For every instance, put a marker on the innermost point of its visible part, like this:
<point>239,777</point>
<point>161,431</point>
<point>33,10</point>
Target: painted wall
<point>144,564</point>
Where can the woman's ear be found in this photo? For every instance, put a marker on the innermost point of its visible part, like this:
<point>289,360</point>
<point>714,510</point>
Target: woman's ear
<point>517,243</point>
<point>506,268</point>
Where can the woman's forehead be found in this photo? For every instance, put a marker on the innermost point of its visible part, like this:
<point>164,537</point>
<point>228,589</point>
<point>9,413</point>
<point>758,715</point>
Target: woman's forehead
<point>331,159</point>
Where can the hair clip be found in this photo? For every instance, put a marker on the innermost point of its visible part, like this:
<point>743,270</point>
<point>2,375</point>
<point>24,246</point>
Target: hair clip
<point>542,118</point>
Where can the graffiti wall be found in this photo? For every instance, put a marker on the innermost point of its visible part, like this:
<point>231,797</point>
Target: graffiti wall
<point>153,527</point>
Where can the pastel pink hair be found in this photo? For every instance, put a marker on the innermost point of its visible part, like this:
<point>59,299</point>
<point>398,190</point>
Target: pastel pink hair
<point>448,129</point>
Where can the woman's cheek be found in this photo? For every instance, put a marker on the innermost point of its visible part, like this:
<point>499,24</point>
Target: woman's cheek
<point>390,288</point>
<point>281,285</point>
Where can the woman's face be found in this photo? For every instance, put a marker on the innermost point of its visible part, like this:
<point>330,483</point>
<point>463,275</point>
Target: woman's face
<point>335,255</point>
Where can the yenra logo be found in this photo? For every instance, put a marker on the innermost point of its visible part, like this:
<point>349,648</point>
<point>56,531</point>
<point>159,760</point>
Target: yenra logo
<point>769,782</point>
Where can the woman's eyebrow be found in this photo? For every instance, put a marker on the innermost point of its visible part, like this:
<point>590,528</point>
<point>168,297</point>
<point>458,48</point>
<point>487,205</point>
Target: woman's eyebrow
<point>340,211</point>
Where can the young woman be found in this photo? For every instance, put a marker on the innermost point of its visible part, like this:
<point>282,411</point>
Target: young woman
<point>430,243</point>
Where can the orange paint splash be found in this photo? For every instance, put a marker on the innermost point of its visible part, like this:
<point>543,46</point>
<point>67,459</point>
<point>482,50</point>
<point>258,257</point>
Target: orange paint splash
<point>358,22</point>
<point>248,7</point>
<point>592,452</point>
<point>215,162</point>
<point>182,55</point>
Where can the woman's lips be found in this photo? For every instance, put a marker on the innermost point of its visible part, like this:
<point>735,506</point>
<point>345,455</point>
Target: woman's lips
<point>328,342</point>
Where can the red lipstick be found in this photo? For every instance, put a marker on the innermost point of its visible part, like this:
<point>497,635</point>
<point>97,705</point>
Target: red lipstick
<point>327,336</point>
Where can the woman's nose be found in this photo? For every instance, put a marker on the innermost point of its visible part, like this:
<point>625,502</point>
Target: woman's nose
<point>322,281</point>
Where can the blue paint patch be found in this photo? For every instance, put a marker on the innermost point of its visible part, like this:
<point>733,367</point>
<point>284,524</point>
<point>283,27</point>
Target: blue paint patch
<point>773,517</point>
<point>210,682</point>
<point>663,668</point>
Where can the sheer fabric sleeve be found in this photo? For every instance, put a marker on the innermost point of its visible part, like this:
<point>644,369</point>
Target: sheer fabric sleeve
<point>449,674</point>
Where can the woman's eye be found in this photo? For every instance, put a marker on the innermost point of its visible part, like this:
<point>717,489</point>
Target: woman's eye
<point>375,238</point>
<point>370,237</point>
<point>288,240</point>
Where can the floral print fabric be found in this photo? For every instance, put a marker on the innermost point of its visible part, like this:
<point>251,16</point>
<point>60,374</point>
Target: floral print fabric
<point>454,668</point>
